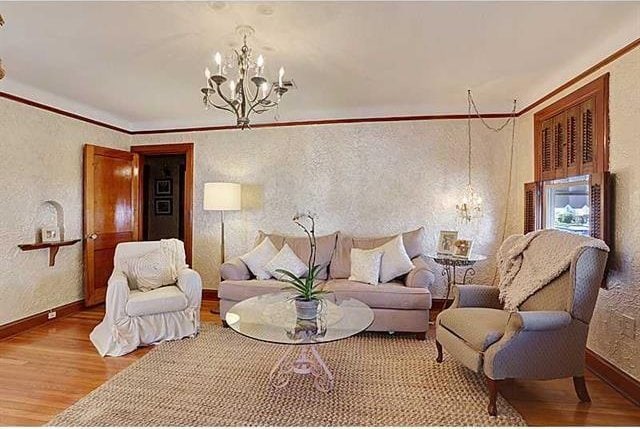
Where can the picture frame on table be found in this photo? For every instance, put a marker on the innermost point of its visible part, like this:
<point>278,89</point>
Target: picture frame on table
<point>462,248</point>
<point>163,206</point>
<point>446,241</point>
<point>164,187</point>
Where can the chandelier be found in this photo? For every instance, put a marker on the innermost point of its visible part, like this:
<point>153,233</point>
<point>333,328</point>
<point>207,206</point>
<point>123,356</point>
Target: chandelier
<point>470,206</point>
<point>251,92</point>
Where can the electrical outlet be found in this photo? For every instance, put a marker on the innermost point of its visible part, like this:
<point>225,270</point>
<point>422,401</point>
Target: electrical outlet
<point>52,315</point>
<point>628,326</point>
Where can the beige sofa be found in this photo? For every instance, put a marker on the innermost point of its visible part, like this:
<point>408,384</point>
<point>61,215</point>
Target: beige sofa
<point>399,306</point>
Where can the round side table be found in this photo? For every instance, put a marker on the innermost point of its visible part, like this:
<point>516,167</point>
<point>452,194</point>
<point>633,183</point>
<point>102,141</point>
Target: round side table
<point>449,264</point>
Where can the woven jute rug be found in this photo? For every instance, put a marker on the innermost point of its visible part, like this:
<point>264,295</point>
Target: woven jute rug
<point>220,378</point>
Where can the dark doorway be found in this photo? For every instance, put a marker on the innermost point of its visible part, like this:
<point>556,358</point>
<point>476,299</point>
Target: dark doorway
<point>166,193</point>
<point>163,204</point>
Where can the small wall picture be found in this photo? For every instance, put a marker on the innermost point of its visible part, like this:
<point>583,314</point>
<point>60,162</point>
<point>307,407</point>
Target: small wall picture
<point>462,248</point>
<point>163,207</point>
<point>163,187</point>
<point>50,234</point>
<point>446,241</point>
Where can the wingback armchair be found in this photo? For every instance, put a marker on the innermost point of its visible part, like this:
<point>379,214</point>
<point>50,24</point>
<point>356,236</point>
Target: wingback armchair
<point>545,339</point>
<point>134,318</point>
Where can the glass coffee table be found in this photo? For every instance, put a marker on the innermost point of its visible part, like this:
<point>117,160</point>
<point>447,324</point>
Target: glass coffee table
<point>272,318</point>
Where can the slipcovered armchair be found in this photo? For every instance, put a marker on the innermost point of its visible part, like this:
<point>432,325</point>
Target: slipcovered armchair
<point>544,339</point>
<point>134,318</point>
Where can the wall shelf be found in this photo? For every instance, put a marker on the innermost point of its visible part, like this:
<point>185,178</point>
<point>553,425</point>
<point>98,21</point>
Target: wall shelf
<point>53,248</point>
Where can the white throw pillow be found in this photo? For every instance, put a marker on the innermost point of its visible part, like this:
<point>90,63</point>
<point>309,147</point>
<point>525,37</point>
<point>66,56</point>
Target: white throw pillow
<point>286,259</point>
<point>150,271</point>
<point>365,265</point>
<point>395,260</point>
<point>259,257</point>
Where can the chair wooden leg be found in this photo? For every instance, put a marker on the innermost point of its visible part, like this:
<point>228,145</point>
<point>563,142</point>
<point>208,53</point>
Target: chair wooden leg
<point>492,409</point>
<point>421,336</point>
<point>581,389</point>
<point>439,349</point>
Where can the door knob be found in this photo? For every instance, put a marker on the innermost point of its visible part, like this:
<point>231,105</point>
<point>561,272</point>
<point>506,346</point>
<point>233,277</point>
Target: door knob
<point>93,236</point>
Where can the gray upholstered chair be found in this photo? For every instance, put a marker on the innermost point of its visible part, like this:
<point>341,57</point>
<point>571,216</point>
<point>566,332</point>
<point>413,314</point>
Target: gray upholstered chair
<point>545,339</point>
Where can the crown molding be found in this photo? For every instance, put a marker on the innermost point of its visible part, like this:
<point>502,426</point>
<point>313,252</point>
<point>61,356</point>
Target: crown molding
<point>617,54</point>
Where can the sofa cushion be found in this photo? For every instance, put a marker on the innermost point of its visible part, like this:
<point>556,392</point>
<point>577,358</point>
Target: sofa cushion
<point>384,295</point>
<point>238,290</point>
<point>326,245</point>
<point>478,327</point>
<point>414,244</point>
<point>365,266</point>
<point>287,260</point>
<point>161,300</point>
<point>259,257</point>
<point>395,261</point>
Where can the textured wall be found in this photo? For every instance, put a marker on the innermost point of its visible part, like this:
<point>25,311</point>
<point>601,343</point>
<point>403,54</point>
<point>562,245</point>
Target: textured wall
<point>372,178</point>
<point>623,296</point>
<point>41,160</point>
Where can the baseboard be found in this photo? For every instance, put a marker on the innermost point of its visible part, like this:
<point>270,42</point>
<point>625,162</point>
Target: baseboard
<point>626,385</point>
<point>210,295</point>
<point>21,325</point>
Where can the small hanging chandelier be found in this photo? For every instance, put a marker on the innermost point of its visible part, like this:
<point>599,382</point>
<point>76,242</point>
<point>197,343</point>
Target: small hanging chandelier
<point>470,206</point>
<point>242,98</point>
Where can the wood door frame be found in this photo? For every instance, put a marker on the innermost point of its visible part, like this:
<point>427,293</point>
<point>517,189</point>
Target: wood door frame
<point>185,149</point>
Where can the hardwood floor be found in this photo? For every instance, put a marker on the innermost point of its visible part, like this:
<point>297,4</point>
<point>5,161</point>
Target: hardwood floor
<point>47,369</point>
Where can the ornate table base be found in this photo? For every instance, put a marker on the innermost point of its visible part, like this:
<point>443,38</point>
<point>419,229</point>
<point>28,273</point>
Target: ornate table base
<point>304,360</point>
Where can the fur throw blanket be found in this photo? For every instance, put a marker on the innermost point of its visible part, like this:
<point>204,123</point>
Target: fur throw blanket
<point>527,263</point>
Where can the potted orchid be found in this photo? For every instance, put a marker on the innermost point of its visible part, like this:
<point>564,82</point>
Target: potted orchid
<point>307,290</point>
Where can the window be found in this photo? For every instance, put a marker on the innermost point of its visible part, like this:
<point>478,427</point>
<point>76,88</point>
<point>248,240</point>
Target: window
<point>567,206</point>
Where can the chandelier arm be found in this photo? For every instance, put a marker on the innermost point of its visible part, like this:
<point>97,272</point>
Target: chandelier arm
<point>226,100</point>
<point>258,103</point>
<point>212,104</point>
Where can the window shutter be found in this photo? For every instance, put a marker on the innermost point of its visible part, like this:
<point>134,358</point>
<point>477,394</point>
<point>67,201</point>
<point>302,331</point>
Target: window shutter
<point>532,206</point>
<point>599,190</point>
<point>546,140</point>
<point>588,134</point>
<point>573,139</point>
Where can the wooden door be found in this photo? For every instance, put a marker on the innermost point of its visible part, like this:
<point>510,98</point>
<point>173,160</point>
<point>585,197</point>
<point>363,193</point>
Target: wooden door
<point>110,213</point>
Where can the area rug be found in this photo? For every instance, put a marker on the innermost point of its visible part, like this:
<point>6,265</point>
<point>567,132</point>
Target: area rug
<point>220,378</point>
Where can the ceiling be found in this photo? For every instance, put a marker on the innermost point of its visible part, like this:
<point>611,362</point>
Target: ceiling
<point>139,65</point>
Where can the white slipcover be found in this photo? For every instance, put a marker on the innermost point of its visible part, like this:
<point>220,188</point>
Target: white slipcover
<point>135,318</point>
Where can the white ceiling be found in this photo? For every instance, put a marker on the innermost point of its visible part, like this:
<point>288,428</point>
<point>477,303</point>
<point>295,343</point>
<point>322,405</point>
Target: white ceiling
<point>139,65</point>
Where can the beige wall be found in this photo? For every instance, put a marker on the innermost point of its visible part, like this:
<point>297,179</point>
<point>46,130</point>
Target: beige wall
<point>41,160</point>
<point>369,178</point>
<point>623,296</point>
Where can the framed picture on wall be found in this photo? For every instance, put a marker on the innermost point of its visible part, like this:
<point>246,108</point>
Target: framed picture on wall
<point>163,187</point>
<point>163,207</point>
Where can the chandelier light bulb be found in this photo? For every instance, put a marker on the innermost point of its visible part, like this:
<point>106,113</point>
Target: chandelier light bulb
<point>207,73</point>
<point>232,87</point>
<point>218,59</point>
<point>280,76</point>
<point>265,89</point>
<point>260,64</point>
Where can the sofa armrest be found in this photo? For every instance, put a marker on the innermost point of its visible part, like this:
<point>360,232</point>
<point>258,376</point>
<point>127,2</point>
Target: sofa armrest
<point>190,283</point>
<point>538,320</point>
<point>117,297</point>
<point>235,269</point>
<point>475,296</point>
<point>421,275</point>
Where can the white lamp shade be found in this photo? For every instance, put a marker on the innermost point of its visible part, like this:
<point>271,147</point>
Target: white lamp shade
<point>222,196</point>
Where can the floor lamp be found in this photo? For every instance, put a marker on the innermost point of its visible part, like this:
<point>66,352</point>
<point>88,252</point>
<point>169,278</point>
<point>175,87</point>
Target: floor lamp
<point>222,197</point>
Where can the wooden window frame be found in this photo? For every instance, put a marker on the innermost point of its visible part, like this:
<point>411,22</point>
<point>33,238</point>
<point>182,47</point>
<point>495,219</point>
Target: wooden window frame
<point>597,89</point>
